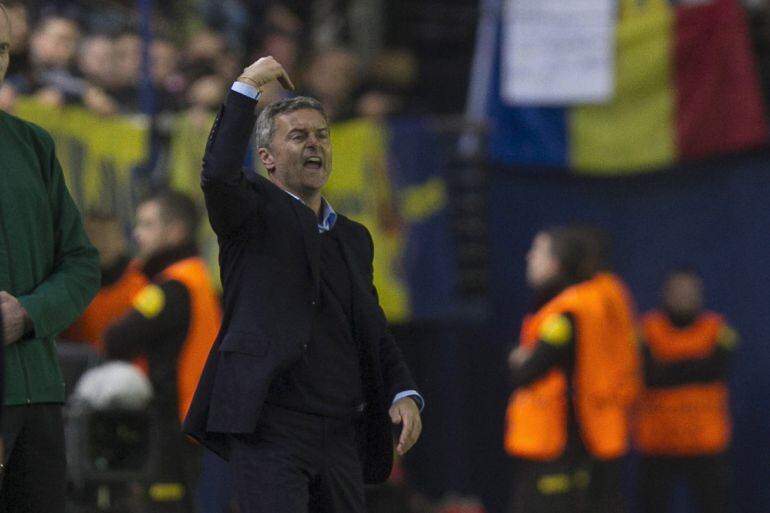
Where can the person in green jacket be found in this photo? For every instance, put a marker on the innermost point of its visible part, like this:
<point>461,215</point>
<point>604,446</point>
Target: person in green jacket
<point>49,272</point>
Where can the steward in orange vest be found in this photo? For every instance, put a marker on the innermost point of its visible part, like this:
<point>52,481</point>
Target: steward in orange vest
<point>573,377</point>
<point>120,284</point>
<point>122,279</point>
<point>682,424</point>
<point>173,323</point>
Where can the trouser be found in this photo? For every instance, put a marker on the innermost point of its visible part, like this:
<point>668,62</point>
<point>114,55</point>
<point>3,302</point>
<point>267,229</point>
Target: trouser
<point>172,483</point>
<point>215,491</point>
<point>557,486</point>
<point>706,476</point>
<point>298,463</point>
<point>606,491</point>
<point>34,477</point>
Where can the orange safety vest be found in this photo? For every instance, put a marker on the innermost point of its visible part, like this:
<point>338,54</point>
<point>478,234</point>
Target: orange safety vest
<point>110,304</point>
<point>205,318</point>
<point>607,368</point>
<point>603,379</point>
<point>685,420</point>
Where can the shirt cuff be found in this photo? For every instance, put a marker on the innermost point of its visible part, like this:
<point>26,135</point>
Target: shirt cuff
<point>246,90</point>
<point>414,395</point>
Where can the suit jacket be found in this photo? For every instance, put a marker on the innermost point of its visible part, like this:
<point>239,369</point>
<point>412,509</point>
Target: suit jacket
<point>270,263</point>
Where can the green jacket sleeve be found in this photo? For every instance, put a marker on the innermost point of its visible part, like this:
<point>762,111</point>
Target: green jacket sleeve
<point>60,298</point>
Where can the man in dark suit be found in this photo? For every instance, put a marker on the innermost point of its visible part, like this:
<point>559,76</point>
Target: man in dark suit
<point>304,380</point>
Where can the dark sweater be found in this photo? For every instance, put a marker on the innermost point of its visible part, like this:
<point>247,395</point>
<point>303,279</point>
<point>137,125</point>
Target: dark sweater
<point>327,380</point>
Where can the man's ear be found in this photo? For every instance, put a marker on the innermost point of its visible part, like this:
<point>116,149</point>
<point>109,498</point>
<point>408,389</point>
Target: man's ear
<point>267,159</point>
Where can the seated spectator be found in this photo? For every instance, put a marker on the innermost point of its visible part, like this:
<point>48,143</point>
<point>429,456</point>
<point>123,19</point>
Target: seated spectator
<point>389,81</point>
<point>96,60</point>
<point>332,76</point>
<point>128,69</point>
<point>167,79</point>
<point>51,78</point>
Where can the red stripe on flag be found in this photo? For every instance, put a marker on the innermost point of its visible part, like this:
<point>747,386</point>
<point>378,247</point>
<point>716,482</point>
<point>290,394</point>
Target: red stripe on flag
<point>719,102</point>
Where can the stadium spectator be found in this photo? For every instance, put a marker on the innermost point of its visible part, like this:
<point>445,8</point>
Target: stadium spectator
<point>283,46</point>
<point>48,275</point>
<point>128,67</point>
<point>96,60</point>
<point>332,76</point>
<point>202,53</point>
<point>389,82</point>
<point>168,82</point>
<point>51,77</point>
<point>173,323</point>
<point>683,424</point>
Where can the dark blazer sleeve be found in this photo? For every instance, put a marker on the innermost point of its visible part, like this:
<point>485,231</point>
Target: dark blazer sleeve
<point>230,198</point>
<point>394,369</point>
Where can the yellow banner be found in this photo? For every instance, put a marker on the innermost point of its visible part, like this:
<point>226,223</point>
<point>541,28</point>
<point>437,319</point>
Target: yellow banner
<point>360,188</point>
<point>97,154</point>
<point>634,131</point>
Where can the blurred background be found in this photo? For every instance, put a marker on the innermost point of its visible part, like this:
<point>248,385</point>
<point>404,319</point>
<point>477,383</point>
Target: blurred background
<point>460,129</point>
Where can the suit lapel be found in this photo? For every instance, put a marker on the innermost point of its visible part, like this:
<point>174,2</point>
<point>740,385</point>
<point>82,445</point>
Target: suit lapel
<point>362,297</point>
<point>309,228</point>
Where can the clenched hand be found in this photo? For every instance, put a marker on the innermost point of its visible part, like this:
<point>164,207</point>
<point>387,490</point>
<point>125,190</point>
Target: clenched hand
<point>15,318</point>
<point>263,71</point>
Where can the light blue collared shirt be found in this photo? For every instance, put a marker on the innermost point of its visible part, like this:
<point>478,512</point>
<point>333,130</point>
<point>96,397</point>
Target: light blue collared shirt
<point>328,215</point>
<point>246,90</point>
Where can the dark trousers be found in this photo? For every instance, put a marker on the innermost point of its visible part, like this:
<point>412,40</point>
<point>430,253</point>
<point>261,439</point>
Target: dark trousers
<point>298,463</point>
<point>558,486</point>
<point>606,491</point>
<point>706,476</point>
<point>34,478</point>
<point>216,491</point>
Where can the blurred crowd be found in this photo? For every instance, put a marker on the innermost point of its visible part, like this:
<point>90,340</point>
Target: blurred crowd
<point>94,55</point>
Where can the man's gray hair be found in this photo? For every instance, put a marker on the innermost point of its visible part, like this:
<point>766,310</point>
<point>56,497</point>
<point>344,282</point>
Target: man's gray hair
<point>265,129</point>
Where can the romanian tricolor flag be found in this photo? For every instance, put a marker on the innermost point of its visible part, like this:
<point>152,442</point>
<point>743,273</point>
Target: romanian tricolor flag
<point>685,88</point>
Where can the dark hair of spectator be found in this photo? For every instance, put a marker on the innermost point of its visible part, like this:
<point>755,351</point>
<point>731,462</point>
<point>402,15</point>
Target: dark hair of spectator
<point>176,206</point>
<point>265,129</point>
<point>599,254</point>
<point>573,249</point>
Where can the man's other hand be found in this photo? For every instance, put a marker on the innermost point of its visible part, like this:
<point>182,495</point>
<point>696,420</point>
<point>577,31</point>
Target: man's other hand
<point>15,319</point>
<point>405,412</point>
<point>264,71</point>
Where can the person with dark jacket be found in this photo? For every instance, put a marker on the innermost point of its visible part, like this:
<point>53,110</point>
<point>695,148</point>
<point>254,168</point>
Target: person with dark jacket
<point>304,380</point>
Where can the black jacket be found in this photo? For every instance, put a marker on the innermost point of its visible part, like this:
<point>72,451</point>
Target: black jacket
<point>270,258</point>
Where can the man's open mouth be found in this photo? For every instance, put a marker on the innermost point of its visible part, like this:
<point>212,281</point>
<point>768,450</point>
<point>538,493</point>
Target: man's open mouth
<point>313,163</point>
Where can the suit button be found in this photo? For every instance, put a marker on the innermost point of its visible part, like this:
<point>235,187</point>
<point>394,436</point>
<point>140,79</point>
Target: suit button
<point>312,303</point>
<point>304,346</point>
